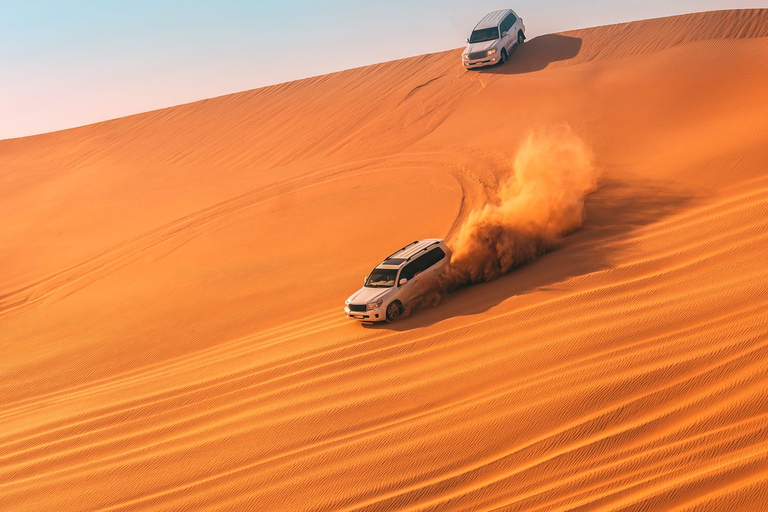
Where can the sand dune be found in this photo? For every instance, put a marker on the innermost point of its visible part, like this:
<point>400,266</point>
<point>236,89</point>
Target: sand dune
<point>171,301</point>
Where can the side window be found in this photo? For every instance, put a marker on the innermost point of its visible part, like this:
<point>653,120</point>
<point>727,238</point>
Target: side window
<point>422,263</point>
<point>409,271</point>
<point>506,24</point>
<point>511,19</point>
<point>434,256</point>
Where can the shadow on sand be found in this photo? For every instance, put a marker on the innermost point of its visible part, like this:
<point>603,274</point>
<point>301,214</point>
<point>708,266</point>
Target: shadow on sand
<point>613,212</point>
<point>537,54</point>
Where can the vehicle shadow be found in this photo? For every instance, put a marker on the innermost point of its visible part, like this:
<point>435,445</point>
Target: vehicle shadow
<point>537,54</point>
<point>613,213</point>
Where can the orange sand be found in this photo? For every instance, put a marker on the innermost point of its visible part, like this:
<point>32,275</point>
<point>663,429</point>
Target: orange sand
<point>173,282</point>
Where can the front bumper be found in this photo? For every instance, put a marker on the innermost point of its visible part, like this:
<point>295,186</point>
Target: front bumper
<point>374,315</point>
<point>478,63</point>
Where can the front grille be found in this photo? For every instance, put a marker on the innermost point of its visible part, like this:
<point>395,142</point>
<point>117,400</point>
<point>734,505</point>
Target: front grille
<point>357,307</point>
<point>477,55</point>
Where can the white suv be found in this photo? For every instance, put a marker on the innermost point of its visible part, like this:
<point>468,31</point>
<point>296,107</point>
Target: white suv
<point>394,283</point>
<point>493,39</point>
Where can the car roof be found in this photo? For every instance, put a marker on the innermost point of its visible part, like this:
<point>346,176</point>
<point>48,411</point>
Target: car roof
<point>407,253</point>
<point>492,19</point>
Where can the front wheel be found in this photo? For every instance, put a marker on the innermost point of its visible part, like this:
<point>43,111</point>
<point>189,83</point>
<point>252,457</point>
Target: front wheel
<point>394,310</point>
<point>503,58</point>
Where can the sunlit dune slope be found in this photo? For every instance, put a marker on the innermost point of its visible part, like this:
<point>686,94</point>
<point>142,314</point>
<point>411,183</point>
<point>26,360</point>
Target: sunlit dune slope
<point>172,289</point>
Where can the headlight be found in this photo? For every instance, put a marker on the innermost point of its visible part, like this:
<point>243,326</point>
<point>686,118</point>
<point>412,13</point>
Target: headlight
<point>491,52</point>
<point>373,305</point>
<point>465,55</point>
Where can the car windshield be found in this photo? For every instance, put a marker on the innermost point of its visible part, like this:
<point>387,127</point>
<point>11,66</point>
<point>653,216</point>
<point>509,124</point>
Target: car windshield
<point>484,34</point>
<point>381,278</point>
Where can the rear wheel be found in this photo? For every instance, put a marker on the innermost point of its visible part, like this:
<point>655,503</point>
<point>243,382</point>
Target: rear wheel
<point>503,58</point>
<point>394,310</point>
<point>520,37</point>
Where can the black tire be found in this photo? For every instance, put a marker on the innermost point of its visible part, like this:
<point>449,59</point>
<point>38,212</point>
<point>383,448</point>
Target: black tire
<point>394,310</point>
<point>503,58</point>
<point>520,37</point>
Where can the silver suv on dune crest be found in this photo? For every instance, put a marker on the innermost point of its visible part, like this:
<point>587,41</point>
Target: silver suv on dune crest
<point>394,284</point>
<point>493,39</point>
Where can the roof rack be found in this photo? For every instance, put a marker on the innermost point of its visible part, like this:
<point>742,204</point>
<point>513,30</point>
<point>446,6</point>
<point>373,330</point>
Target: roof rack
<point>404,248</point>
<point>417,252</point>
<point>409,258</point>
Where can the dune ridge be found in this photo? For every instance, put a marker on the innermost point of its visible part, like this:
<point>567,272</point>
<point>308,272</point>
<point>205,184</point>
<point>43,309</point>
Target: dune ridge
<point>170,312</point>
<point>648,36</point>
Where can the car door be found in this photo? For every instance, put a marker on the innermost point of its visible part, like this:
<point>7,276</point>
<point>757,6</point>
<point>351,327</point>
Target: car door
<point>513,22</point>
<point>506,26</point>
<point>429,263</point>
<point>517,26</point>
<point>504,38</point>
<point>409,290</point>
<point>424,271</point>
<point>433,260</point>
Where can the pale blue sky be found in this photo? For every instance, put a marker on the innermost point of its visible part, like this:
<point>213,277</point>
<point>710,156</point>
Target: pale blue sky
<point>68,63</point>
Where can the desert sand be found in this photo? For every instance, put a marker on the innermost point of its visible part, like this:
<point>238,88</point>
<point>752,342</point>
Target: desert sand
<point>172,289</point>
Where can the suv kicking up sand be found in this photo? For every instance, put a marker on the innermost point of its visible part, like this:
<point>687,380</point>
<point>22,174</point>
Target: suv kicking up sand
<point>394,283</point>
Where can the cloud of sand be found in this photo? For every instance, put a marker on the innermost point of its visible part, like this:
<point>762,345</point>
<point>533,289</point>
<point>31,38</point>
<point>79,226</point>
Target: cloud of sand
<point>535,207</point>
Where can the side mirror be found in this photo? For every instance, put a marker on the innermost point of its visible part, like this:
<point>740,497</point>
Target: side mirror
<point>365,280</point>
<point>402,282</point>
<point>467,40</point>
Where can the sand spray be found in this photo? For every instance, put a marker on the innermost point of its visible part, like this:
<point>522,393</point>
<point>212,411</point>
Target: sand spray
<point>534,209</point>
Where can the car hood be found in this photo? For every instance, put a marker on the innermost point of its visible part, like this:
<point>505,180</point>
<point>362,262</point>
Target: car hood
<point>481,47</point>
<point>365,295</point>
